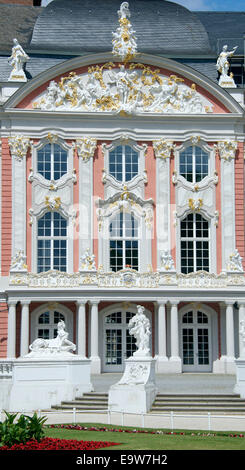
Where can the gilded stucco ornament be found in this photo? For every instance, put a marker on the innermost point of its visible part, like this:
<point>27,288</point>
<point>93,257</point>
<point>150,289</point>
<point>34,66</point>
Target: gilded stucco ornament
<point>227,149</point>
<point>222,65</point>
<point>18,262</point>
<point>19,146</point>
<point>17,61</point>
<point>163,148</point>
<point>235,262</point>
<point>87,261</point>
<point>86,147</point>
<point>167,262</point>
<point>195,204</point>
<point>124,40</point>
<point>123,89</point>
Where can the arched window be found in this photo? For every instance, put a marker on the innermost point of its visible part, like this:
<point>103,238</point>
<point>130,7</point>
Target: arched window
<point>193,164</point>
<point>124,243</point>
<point>52,242</point>
<point>123,163</point>
<point>194,244</point>
<point>52,161</point>
<point>47,324</point>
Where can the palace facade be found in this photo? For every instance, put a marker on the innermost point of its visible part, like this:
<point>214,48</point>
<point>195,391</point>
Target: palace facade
<point>122,181</point>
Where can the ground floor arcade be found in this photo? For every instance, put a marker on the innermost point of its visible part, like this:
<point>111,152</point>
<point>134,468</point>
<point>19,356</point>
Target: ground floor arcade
<point>188,335</point>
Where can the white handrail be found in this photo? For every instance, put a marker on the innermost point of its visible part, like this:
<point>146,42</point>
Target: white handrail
<point>171,415</point>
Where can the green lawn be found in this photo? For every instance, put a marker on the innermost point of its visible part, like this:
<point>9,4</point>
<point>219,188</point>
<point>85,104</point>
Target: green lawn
<point>200,440</point>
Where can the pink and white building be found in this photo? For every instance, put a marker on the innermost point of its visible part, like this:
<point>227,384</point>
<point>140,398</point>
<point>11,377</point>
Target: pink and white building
<point>120,185</point>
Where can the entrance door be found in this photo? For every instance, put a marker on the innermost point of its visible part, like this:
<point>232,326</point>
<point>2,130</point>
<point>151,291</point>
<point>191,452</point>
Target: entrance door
<point>118,343</point>
<point>196,344</point>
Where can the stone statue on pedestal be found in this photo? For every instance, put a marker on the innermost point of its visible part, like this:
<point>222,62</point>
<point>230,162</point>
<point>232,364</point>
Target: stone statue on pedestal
<point>139,327</point>
<point>222,65</point>
<point>59,345</point>
<point>17,60</point>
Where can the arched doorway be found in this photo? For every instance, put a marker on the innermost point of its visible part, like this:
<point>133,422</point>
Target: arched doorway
<point>45,321</point>
<point>118,344</point>
<point>196,340</point>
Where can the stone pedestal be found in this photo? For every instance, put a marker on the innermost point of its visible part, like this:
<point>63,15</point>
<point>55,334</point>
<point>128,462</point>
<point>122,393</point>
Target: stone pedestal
<point>240,377</point>
<point>39,383</point>
<point>226,81</point>
<point>136,391</point>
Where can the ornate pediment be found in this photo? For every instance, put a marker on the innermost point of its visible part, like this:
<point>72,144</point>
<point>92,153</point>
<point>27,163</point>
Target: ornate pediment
<point>129,89</point>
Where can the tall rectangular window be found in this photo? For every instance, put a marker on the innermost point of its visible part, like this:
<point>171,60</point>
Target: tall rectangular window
<point>194,244</point>
<point>52,242</point>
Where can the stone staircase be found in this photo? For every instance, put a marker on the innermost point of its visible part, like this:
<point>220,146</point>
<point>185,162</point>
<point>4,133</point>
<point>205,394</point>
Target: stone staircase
<point>89,401</point>
<point>198,404</point>
<point>218,404</point>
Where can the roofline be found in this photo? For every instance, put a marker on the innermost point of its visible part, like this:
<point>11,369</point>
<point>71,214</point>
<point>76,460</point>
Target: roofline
<point>214,89</point>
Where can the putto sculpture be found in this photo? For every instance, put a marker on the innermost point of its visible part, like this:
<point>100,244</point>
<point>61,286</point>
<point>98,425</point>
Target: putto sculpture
<point>59,345</point>
<point>17,60</point>
<point>139,327</point>
<point>222,65</point>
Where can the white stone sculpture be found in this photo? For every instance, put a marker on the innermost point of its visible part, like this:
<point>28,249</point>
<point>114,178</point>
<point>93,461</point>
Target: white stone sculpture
<point>132,89</point>
<point>88,261</point>
<point>17,60</point>
<point>58,346</point>
<point>139,327</point>
<point>235,262</point>
<point>222,65</point>
<point>18,262</point>
<point>124,40</point>
<point>167,262</point>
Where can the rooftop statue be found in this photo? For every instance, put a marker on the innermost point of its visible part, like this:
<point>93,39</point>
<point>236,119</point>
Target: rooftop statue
<point>124,41</point>
<point>59,345</point>
<point>223,66</point>
<point>139,327</point>
<point>17,60</point>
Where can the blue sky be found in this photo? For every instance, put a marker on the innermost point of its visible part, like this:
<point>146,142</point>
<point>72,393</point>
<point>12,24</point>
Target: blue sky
<point>213,5</point>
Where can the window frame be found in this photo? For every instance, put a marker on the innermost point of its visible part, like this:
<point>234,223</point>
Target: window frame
<point>67,148</point>
<point>124,163</point>
<point>52,238</point>
<point>194,240</point>
<point>124,239</point>
<point>194,163</point>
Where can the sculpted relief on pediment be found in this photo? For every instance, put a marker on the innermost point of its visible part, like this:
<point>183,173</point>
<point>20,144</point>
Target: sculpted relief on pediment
<point>123,89</point>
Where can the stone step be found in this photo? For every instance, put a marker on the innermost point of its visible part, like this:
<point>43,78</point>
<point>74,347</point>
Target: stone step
<point>201,409</point>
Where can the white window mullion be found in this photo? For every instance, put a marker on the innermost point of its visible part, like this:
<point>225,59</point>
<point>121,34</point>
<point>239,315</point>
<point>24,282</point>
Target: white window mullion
<point>52,162</point>
<point>194,164</point>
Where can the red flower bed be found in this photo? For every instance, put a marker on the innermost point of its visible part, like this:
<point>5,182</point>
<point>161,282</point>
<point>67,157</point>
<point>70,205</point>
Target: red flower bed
<point>49,443</point>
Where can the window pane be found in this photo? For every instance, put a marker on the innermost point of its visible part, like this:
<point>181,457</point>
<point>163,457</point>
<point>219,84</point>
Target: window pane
<point>116,164</point>
<point>44,161</point>
<point>44,318</point>
<point>58,317</point>
<point>201,164</point>
<point>131,163</point>
<point>186,165</point>
<point>60,162</point>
